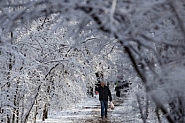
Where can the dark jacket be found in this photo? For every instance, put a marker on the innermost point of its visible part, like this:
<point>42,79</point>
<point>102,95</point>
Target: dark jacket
<point>104,93</point>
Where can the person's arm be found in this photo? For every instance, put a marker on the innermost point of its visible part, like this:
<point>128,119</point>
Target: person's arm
<point>96,90</point>
<point>110,95</point>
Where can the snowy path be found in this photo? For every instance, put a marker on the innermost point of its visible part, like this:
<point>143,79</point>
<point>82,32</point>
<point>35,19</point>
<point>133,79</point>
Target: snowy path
<point>88,111</point>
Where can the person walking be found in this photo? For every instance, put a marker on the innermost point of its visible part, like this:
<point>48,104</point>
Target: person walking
<point>104,95</point>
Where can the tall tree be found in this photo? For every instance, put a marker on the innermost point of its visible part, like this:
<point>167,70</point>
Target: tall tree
<point>149,33</point>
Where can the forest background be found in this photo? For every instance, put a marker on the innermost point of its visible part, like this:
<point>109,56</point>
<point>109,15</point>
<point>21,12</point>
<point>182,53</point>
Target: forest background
<point>51,49</point>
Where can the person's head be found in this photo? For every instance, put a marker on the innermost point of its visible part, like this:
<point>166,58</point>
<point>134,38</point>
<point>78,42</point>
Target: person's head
<point>102,83</point>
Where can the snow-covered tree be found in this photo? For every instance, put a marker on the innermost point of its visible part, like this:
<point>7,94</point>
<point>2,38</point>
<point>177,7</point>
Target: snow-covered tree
<point>98,35</point>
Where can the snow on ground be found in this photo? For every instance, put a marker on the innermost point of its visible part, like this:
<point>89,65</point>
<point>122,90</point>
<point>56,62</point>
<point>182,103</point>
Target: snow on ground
<point>88,111</point>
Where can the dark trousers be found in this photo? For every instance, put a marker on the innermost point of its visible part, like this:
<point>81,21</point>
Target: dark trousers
<point>104,106</point>
<point>117,89</point>
<point>118,93</point>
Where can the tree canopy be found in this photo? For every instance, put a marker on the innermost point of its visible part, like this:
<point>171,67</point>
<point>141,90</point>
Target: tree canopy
<point>51,49</point>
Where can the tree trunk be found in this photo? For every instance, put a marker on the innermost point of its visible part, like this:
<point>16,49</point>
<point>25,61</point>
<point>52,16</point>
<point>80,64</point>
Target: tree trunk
<point>36,109</point>
<point>25,118</point>
<point>45,113</point>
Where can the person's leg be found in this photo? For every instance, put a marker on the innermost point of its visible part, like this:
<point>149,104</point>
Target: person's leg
<point>102,108</point>
<point>106,107</point>
<point>118,93</point>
